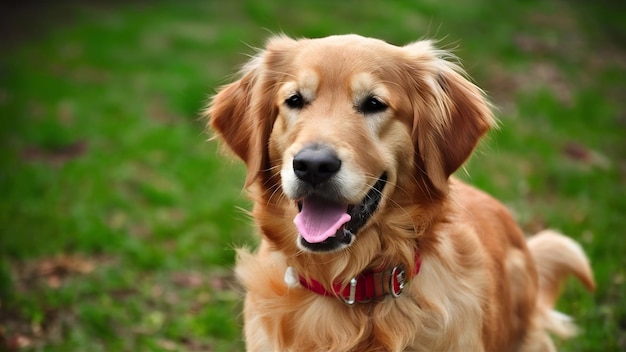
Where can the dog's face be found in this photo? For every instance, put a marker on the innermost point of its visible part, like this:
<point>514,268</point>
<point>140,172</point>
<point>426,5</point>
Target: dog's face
<point>347,128</point>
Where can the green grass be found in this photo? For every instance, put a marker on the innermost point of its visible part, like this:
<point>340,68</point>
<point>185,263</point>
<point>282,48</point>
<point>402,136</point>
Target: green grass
<point>118,219</point>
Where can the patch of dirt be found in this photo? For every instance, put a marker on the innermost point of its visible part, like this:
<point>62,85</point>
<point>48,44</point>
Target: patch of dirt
<point>54,271</point>
<point>18,331</point>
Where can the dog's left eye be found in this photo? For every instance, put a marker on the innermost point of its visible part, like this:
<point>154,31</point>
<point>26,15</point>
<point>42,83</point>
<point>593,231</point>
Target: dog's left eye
<point>372,105</point>
<point>295,101</point>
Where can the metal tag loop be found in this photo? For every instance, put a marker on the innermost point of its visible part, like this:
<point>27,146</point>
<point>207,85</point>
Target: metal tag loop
<point>352,297</point>
<point>398,276</point>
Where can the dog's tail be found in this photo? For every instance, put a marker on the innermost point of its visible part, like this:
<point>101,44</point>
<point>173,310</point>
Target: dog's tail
<point>557,256</point>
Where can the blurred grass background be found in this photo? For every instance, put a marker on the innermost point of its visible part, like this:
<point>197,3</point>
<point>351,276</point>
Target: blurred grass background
<point>118,220</point>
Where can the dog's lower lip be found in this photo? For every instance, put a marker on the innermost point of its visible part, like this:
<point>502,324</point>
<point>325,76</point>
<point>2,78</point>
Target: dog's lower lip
<point>299,204</point>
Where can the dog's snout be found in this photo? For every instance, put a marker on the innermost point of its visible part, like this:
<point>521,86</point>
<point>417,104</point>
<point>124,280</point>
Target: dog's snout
<point>315,164</point>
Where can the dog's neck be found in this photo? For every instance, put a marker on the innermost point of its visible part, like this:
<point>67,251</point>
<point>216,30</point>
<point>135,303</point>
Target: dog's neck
<point>371,285</point>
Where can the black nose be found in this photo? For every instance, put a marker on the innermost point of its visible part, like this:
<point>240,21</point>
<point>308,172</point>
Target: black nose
<point>315,164</point>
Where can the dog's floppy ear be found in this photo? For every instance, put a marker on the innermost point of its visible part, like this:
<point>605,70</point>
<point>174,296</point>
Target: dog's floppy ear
<point>242,113</point>
<point>450,115</point>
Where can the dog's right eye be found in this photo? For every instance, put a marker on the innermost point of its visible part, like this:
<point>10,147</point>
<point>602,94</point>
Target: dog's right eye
<point>295,101</point>
<point>372,105</point>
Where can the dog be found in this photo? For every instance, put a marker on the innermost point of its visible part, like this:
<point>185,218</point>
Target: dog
<point>368,242</point>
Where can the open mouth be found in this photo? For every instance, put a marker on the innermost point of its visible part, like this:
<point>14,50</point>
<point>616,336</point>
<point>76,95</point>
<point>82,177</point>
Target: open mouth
<point>326,226</point>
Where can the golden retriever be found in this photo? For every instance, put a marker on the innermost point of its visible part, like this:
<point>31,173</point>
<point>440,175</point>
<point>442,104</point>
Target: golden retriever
<point>367,242</point>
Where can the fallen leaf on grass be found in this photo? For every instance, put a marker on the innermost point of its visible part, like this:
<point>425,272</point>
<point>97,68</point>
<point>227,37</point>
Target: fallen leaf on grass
<point>122,293</point>
<point>55,156</point>
<point>219,283</point>
<point>20,341</point>
<point>168,345</point>
<point>194,279</point>
<point>53,271</point>
<point>64,264</point>
<point>581,153</point>
<point>577,151</point>
<point>189,279</point>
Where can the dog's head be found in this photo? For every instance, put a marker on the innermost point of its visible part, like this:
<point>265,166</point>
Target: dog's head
<point>346,126</point>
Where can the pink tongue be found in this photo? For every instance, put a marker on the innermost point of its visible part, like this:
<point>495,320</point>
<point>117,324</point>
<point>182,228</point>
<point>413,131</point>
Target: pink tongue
<point>320,219</point>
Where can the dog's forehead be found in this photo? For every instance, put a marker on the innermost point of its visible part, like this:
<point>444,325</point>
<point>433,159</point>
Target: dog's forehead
<point>350,44</point>
<point>309,81</point>
<point>352,62</point>
<point>346,53</point>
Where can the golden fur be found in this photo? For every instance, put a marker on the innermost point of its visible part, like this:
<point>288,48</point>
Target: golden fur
<point>482,286</point>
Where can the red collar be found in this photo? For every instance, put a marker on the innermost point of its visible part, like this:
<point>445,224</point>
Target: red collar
<point>368,286</point>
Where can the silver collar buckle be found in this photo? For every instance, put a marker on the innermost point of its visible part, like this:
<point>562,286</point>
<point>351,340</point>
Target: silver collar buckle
<point>398,276</point>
